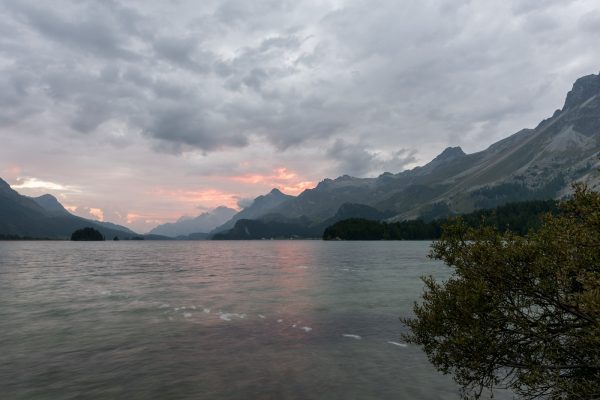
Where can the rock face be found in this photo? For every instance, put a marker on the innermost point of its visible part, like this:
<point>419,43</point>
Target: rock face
<point>584,88</point>
<point>539,163</point>
<point>203,223</point>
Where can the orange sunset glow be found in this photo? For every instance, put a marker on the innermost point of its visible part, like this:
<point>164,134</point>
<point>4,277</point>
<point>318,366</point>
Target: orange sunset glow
<point>282,178</point>
<point>203,197</point>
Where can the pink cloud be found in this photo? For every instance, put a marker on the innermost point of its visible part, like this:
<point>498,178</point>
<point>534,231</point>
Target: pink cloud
<point>282,178</point>
<point>94,213</point>
<point>206,197</point>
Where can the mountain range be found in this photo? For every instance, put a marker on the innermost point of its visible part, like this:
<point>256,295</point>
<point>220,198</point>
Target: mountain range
<point>203,223</point>
<point>539,163</point>
<point>532,164</point>
<point>45,217</point>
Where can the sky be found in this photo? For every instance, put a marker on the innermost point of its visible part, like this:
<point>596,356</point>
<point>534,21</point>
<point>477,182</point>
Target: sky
<point>140,112</point>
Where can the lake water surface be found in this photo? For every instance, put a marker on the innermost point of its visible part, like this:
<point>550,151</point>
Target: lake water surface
<point>213,320</point>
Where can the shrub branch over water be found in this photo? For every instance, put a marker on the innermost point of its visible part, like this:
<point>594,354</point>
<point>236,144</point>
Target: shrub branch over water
<point>519,312</point>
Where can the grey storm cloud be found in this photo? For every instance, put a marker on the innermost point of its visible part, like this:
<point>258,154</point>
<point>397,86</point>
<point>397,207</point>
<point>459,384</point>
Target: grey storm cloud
<point>358,160</point>
<point>84,30</point>
<point>591,21</point>
<point>218,75</point>
<point>183,52</point>
<point>184,126</point>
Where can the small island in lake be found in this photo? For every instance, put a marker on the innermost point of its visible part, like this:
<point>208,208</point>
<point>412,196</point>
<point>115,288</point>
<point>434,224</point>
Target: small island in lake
<point>87,234</point>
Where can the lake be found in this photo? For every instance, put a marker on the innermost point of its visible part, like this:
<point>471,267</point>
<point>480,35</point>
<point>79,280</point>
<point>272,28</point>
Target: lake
<point>213,320</point>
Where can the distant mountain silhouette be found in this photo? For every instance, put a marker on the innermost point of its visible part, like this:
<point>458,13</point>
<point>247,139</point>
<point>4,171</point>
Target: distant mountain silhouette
<point>203,223</point>
<point>261,206</point>
<point>45,217</point>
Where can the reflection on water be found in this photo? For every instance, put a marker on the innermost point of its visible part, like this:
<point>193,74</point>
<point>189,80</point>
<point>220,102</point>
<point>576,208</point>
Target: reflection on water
<point>213,320</point>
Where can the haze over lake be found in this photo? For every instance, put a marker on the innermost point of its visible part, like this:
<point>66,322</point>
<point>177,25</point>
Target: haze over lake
<point>213,320</point>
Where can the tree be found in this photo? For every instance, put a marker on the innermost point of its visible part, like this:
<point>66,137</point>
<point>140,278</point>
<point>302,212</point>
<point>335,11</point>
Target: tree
<point>87,234</point>
<point>519,312</point>
<point>519,217</point>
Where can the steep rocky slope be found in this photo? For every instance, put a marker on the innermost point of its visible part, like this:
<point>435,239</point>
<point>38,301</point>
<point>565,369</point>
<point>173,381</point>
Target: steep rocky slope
<point>539,163</point>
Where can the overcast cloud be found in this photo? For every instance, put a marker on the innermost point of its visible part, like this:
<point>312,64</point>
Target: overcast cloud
<point>153,110</point>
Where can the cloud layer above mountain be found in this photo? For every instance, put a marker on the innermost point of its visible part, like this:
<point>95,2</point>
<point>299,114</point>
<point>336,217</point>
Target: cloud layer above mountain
<point>153,109</point>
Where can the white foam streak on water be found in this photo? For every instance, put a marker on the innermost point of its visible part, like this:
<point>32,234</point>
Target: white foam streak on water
<point>229,316</point>
<point>351,336</point>
<point>225,317</point>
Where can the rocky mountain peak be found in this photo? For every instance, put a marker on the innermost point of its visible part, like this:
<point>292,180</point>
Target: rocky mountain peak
<point>49,203</point>
<point>450,153</point>
<point>324,183</point>
<point>48,197</point>
<point>584,88</point>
